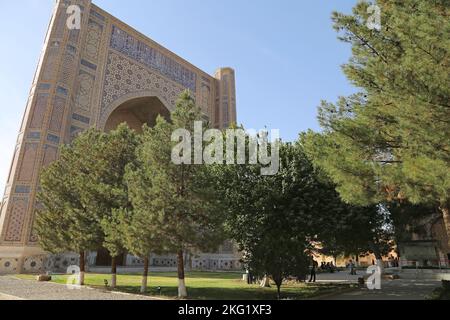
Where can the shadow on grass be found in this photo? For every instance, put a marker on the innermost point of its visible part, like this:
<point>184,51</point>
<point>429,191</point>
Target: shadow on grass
<point>242,293</point>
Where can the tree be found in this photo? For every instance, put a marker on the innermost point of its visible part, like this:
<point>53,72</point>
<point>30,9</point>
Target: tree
<point>273,218</point>
<point>390,142</point>
<point>356,231</point>
<point>64,222</point>
<point>106,190</point>
<point>84,190</point>
<point>141,234</point>
<point>176,199</point>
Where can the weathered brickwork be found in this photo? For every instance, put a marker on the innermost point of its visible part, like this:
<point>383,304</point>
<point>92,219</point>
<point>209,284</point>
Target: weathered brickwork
<point>83,76</point>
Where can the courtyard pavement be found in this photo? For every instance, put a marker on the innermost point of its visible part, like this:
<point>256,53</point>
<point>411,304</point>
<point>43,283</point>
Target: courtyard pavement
<point>12,288</point>
<point>400,289</point>
<point>15,289</point>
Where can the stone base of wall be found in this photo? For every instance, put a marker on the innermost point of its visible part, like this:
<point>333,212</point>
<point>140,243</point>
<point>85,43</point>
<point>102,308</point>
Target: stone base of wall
<point>30,260</point>
<point>14,260</point>
<point>205,261</point>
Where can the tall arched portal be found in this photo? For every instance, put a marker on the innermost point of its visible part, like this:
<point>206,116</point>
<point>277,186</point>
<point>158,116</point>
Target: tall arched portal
<point>98,75</point>
<point>137,112</point>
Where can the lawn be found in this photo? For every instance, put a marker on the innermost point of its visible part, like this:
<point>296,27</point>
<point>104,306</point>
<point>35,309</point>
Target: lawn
<point>204,286</point>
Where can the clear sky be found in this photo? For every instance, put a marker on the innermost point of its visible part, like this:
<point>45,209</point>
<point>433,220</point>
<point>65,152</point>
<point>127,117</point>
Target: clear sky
<point>286,55</point>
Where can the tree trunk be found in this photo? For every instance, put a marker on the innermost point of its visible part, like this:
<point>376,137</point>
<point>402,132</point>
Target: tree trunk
<point>145,276</point>
<point>82,268</point>
<point>379,262</point>
<point>446,216</point>
<point>278,291</point>
<point>113,272</point>
<point>182,291</point>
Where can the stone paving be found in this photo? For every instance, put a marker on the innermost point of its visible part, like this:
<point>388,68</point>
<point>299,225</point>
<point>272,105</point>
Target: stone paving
<point>15,289</point>
<point>400,289</point>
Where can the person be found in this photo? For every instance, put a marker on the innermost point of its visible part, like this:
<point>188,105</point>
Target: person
<point>312,277</point>
<point>331,267</point>
<point>352,268</point>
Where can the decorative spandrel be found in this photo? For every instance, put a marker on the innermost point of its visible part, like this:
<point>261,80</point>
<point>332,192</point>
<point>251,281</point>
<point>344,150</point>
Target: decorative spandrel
<point>140,52</point>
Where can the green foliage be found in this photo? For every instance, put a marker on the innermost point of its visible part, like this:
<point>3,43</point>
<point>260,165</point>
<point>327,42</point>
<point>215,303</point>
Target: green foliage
<point>108,190</point>
<point>83,193</point>
<point>356,231</point>
<point>174,205</point>
<point>391,140</point>
<point>64,221</point>
<point>277,220</point>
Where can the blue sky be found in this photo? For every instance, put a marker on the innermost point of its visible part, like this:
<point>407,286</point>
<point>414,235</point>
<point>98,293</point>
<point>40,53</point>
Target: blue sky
<point>286,55</point>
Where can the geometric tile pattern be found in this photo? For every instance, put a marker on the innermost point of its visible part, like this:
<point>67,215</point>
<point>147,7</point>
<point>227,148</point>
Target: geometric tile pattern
<point>28,162</point>
<point>81,76</point>
<point>124,77</point>
<point>16,219</point>
<point>59,106</point>
<point>152,58</point>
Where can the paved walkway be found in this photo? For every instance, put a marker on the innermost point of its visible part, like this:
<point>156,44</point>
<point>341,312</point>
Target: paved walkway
<point>14,289</point>
<point>338,277</point>
<point>400,289</point>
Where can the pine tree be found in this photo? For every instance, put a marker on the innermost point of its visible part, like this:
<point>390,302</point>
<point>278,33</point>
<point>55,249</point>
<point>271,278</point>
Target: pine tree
<point>174,200</point>
<point>83,191</point>
<point>105,188</point>
<point>390,142</point>
<point>64,221</point>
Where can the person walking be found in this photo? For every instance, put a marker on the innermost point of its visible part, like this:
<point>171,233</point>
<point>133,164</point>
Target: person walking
<point>314,266</point>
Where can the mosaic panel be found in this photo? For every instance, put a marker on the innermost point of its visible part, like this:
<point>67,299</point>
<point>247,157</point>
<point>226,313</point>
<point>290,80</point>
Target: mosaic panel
<point>44,86</point>
<point>34,264</point>
<point>9,265</point>
<point>17,217</point>
<point>22,189</point>
<point>62,91</point>
<point>85,89</point>
<point>34,135</point>
<point>74,35</point>
<point>93,39</point>
<point>61,19</point>
<point>81,118</point>
<point>28,162</point>
<point>57,114</point>
<point>124,77</point>
<point>50,155</point>
<point>97,15</point>
<point>88,64</point>
<point>50,62</point>
<point>52,138</point>
<point>205,97</point>
<point>33,235</point>
<point>40,106</point>
<point>152,58</point>
<point>68,65</point>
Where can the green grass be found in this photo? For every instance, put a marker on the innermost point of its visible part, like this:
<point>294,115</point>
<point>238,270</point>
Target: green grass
<point>204,286</point>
